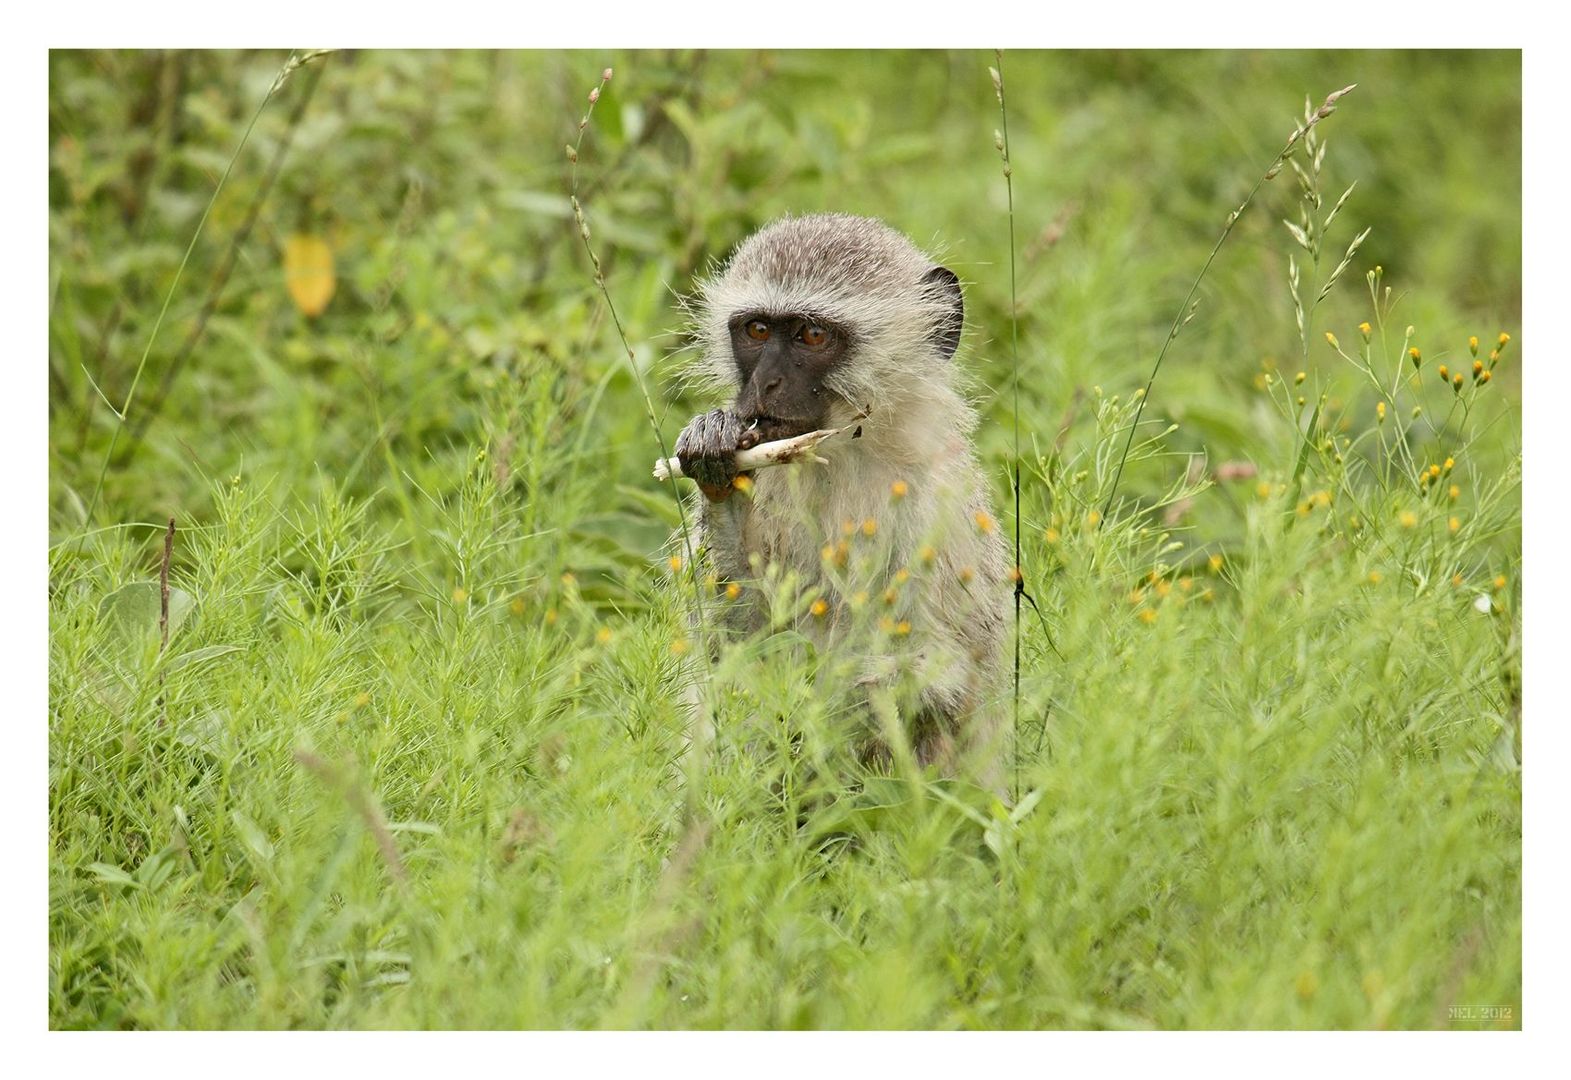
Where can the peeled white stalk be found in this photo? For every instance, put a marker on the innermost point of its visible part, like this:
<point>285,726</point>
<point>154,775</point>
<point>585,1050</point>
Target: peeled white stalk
<point>780,452</point>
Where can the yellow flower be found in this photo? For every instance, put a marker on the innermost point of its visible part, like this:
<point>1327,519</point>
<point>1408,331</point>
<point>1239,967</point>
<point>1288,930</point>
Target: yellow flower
<point>1331,338</point>
<point>1456,382</point>
<point>744,484</point>
<point>1408,519</point>
<point>460,594</point>
<point>603,635</point>
<point>550,616</point>
<point>1215,562</point>
<point>1148,615</point>
<point>1298,380</point>
<point>1445,373</point>
<point>1453,523</point>
<point>1504,337</point>
<point>902,628</point>
<point>362,699</point>
<point>732,590</point>
<point>1374,577</point>
<point>1454,492</point>
<point>1050,535</point>
<point>898,489</point>
<point>1263,490</point>
<point>1500,582</point>
<point>869,527</point>
<point>820,608</point>
<point>679,647</point>
<point>1364,328</point>
<point>675,563</point>
<point>1457,580</point>
<point>966,574</point>
<point>1449,465</point>
<point>1380,412</point>
<point>1094,518</point>
<point>1418,357</point>
<point>1485,377</point>
<point>1472,344</point>
<point>902,575</point>
<point>927,554</point>
<point>1163,587</point>
<point>984,521</point>
<point>517,606</point>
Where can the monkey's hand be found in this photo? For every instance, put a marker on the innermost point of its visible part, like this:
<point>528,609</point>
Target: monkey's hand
<point>707,450</point>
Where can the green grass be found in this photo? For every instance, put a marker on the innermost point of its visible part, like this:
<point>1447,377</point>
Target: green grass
<point>414,756</point>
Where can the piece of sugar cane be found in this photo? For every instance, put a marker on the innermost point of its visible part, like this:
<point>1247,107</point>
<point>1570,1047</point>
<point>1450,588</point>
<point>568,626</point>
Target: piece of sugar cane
<point>779,452</point>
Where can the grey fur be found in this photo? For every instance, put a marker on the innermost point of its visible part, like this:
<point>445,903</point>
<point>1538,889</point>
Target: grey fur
<point>899,387</point>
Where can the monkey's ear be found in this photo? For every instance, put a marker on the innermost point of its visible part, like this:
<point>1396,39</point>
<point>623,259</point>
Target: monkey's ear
<point>945,286</point>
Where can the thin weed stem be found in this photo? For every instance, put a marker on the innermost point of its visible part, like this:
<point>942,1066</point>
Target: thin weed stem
<point>1186,311</point>
<point>295,61</point>
<point>1002,143</point>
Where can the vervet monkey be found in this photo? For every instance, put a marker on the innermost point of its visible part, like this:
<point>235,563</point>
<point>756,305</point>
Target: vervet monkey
<point>836,321</point>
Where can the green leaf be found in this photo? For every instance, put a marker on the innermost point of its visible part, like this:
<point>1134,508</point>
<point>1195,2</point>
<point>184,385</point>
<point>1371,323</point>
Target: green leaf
<point>113,875</point>
<point>198,656</point>
<point>135,608</point>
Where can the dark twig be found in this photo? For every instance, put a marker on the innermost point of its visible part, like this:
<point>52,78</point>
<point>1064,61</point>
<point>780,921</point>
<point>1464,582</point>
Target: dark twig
<point>163,588</point>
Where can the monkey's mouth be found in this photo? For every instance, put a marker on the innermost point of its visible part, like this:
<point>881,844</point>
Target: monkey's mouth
<point>762,429</point>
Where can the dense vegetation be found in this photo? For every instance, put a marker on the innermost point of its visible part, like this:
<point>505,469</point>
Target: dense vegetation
<point>411,755</point>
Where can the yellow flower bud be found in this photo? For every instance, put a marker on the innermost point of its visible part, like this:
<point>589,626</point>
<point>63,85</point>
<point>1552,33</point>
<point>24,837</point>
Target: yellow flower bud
<point>820,608</point>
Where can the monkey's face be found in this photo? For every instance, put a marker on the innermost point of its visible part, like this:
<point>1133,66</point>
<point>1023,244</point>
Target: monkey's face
<point>782,362</point>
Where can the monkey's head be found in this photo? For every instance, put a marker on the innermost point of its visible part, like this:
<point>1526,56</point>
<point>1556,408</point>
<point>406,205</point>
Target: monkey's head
<point>825,320</point>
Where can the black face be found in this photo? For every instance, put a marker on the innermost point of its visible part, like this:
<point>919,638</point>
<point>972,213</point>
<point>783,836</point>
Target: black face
<point>782,361</point>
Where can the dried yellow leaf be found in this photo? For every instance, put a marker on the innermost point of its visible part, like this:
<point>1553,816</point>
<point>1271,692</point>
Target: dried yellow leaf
<point>308,273</point>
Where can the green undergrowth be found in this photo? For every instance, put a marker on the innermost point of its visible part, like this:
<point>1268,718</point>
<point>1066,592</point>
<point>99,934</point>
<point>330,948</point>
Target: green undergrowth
<point>416,752</point>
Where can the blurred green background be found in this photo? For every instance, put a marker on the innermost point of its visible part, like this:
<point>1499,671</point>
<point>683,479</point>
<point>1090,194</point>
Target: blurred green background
<point>439,181</point>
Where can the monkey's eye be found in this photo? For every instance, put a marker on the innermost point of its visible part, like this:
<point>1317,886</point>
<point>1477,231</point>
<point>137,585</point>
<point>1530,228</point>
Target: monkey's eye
<point>813,335</point>
<point>758,330</point>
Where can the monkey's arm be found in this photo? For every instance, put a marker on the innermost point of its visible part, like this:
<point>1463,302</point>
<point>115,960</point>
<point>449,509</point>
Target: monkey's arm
<point>707,448</point>
<point>779,452</point>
